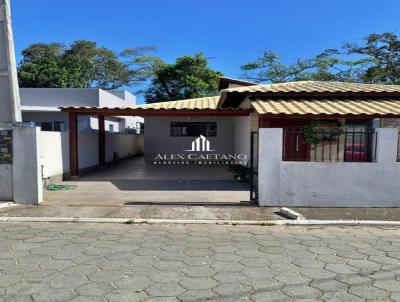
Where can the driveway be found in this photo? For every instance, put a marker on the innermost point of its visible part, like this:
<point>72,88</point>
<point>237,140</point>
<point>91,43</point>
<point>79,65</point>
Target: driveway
<point>134,182</point>
<point>109,262</point>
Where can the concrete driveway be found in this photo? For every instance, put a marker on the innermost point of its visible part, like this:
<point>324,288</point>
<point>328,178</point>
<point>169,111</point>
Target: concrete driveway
<point>135,182</point>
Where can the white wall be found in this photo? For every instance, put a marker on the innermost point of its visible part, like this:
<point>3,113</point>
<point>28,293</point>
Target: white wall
<point>158,139</point>
<point>123,144</point>
<point>27,180</point>
<point>328,184</point>
<point>242,135</point>
<point>54,150</point>
<point>59,97</point>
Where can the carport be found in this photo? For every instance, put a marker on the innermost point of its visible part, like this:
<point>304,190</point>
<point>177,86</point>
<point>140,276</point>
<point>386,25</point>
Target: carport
<point>134,181</point>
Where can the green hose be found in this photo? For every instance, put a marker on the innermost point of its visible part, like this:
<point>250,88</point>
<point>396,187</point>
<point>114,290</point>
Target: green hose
<point>55,187</point>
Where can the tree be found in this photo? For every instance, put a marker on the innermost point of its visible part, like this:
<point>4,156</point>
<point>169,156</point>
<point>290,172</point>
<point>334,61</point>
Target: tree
<point>83,64</point>
<point>377,60</point>
<point>189,77</point>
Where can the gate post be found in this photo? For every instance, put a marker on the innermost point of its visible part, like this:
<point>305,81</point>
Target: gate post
<point>73,145</point>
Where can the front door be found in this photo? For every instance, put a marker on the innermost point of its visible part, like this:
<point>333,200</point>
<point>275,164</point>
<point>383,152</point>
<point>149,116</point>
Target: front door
<point>295,147</point>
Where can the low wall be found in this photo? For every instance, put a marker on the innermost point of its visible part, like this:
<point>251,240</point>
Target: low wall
<point>329,184</point>
<point>54,150</point>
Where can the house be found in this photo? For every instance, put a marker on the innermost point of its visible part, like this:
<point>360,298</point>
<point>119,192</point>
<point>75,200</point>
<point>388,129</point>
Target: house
<point>307,143</point>
<point>41,106</point>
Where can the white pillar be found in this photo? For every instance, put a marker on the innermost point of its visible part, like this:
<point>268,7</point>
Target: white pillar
<point>387,142</point>
<point>9,97</point>
<point>269,161</point>
<point>27,170</point>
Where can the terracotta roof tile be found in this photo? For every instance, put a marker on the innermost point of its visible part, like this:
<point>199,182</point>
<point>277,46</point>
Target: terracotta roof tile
<point>317,86</point>
<point>327,106</point>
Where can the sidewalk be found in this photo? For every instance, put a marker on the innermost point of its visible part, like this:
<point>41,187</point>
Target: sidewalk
<point>376,214</point>
<point>177,212</point>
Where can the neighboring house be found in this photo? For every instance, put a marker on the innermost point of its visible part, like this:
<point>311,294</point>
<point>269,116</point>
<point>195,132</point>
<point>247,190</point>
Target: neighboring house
<point>42,106</point>
<point>309,143</point>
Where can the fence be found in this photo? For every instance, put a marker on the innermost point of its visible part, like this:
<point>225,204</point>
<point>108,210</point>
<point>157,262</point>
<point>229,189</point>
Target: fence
<point>328,184</point>
<point>333,144</point>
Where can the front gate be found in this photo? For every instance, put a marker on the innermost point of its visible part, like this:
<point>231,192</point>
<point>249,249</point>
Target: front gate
<point>254,166</point>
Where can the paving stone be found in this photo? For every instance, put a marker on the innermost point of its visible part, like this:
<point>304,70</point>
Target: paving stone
<point>352,279</point>
<point>292,278</point>
<point>233,290</point>
<point>317,273</point>
<point>88,299</point>
<point>256,262</point>
<point>388,285</point>
<point>365,266</point>
<point>133,283</point>
<point>198,283</point>
<point>225,266</point>
<point>165,289</point>
<point>68,282</point>
<point>9,279</point>
<point>301,292</point>
<point>395,297</point>
<point>342,268</point>
<point>54,295</point>
<point>229,277</point>
<point>368,292</point>
<point>127,296</point>
<point>258,272</point>
<point>198,271</point>
<point>226,257</point>
<point>24,288</point>
<point>197,263</point>
<point>106,276</point>
<point>263,284</point>
<point>341,296</point>
<point>95,289</point>
<point>198,295</point>
<point>329,285</point>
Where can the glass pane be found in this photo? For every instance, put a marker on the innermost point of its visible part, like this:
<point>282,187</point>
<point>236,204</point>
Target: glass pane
<point>193,129</point>
<point>46,126</point>
<point>59,126</point>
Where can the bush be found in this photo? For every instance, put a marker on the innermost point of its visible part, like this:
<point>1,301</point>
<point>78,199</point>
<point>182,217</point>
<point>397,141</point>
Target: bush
<point>240,172</point>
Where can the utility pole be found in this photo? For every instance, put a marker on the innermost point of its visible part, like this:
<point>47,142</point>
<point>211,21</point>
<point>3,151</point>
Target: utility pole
<point>10,108</point>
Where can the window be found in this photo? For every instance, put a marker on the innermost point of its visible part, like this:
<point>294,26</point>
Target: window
<point>111,128</point>
<point>59,126</point>
<point>49,126</point>
<point>193,128</point>
<point>46,126</point>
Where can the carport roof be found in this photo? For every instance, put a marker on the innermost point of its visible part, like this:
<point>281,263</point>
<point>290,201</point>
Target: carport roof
<point>198,106</point>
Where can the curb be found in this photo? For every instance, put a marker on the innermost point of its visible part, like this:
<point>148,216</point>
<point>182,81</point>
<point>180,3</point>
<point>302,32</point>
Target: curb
<point>305,222</point>
<point>291,214</point>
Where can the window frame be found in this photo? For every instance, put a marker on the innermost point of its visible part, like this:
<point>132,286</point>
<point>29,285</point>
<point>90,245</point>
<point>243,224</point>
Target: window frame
<point>182,124</point>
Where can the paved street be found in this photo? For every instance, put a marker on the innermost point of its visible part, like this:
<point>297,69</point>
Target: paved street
<point>111,262</point>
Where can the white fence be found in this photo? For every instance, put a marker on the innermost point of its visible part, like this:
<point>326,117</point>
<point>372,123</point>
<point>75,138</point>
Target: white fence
<point>54,150</point>
<point>329,184</point>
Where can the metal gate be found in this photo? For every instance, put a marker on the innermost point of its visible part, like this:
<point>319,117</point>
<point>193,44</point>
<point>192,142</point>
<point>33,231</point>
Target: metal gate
<point>254,166</point>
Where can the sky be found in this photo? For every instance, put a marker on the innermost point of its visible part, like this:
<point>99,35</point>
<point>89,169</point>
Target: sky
<point>231,32</point>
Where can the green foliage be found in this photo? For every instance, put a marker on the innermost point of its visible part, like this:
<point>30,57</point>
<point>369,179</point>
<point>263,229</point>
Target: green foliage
<point>315,132</point>
<point>240,172</point>
<point>376,60</point>
<point>189,77</point>
<point>83,64</point>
